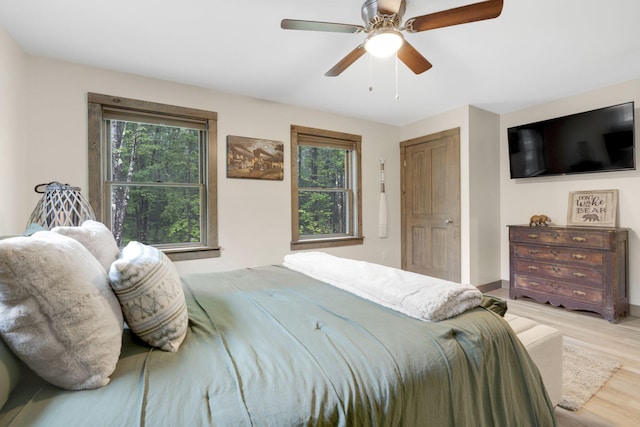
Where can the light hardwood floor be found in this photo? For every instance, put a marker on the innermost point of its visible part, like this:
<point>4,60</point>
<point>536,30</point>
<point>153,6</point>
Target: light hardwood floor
<point>617,404</point>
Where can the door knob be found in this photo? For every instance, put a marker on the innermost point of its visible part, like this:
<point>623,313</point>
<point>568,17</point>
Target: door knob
<point>448,221</point>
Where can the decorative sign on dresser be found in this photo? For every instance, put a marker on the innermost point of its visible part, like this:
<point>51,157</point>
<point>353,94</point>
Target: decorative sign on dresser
<point>579,268</point>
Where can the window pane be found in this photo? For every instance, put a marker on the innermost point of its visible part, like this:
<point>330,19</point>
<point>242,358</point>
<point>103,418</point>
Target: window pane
<point>142,152</point>
<point>320,167</point>
<point>322,212</point>
<point>155,215</point>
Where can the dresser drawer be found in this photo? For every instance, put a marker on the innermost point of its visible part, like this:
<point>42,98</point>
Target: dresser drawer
<point>577,256</point>
<point>571,273</point>
<point>568,290</point>
<point>558,236</point>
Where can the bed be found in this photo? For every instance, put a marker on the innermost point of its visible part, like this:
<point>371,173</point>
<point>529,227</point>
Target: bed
<point>269,346</point>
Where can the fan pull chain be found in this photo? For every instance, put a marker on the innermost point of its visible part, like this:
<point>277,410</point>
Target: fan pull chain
<point>370,74</point>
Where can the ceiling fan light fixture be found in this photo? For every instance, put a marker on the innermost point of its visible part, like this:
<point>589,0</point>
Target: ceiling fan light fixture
<point>383,42</point>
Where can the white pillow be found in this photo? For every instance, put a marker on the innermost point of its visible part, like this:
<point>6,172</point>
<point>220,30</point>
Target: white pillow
<point>57,311</point>
<point>151,296</point>
<point>96,237</point>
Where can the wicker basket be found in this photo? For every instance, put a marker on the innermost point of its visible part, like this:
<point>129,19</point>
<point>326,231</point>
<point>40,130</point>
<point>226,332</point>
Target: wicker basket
<point>61,205</point>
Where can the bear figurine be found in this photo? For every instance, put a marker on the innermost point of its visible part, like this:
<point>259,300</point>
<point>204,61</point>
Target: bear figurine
<point>537,220</point>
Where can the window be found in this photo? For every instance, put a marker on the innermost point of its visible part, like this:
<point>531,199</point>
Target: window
<point>152,174</point>
<point>326,199</point>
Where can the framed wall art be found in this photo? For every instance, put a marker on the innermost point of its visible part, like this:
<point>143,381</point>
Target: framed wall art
<point>254,158</point>
<point>593,208</point>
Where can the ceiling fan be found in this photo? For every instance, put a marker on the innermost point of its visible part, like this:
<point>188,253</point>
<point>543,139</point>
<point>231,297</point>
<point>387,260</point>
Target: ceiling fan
<point>383,24</point>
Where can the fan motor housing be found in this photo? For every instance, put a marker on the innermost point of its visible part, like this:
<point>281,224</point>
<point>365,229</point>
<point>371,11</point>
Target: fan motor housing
<point>373,18</point>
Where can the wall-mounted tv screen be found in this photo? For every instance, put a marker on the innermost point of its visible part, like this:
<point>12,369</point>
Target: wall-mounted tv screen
<point>600,140</point>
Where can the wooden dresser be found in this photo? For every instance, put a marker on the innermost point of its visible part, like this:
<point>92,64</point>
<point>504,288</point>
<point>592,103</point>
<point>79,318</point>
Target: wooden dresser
<point>579,268</point>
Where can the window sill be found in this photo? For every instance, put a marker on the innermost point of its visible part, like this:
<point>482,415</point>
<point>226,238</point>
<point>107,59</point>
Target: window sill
<point>192,253</point>
<point>326,243</point>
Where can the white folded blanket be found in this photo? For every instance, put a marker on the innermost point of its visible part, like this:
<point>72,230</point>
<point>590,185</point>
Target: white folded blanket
<point>416,295</point>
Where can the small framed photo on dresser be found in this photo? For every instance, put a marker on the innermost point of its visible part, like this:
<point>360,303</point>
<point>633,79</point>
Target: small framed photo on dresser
<point>597,208</point>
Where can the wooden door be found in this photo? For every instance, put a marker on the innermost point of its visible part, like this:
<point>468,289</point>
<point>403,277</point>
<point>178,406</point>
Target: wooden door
<point>431,204</point>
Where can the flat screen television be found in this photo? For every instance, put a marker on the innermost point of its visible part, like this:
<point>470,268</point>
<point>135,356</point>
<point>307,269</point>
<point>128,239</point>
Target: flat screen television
<point>600,140</point>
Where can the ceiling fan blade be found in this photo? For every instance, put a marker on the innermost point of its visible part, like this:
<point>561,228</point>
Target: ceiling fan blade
<point>344,63</point>
<point>296,24</point>
<point>389,7</point>
<point>413,59</point>
<point>459,15</point>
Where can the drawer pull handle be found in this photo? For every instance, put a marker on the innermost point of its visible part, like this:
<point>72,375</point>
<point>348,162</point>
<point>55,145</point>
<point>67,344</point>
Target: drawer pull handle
<point>533,267</point>
<point>579,293</point>
<point>534,284</point>
<point>532,236</point>
<point>579,239</point>
<point>579,274</point>
<point>534,252</point>
<point>579,256</point>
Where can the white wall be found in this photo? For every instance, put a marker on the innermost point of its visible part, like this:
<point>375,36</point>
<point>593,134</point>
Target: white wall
<point>13,151</point>
<point>522,198</point>
<point>254,216</point>
<point>484,196</point>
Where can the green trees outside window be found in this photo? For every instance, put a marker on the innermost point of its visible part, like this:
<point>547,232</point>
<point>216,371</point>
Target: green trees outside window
<point>155,189</point>
<point>322,191</point>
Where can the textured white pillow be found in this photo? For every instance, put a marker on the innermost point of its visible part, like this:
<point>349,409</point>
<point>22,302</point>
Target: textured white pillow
<point>96,237</point>
<point>151,296</point>
<point>57,311</point>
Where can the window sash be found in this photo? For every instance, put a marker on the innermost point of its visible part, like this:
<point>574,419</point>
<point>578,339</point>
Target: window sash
<point>344,172</point>
<point>165,190</point>
<point>202,150</point>
<point>111,183</point>
<point>153,119</point>
<point>349,225</point>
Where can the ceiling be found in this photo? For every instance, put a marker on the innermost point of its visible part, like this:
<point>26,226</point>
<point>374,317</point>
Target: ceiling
<point>536,51</point>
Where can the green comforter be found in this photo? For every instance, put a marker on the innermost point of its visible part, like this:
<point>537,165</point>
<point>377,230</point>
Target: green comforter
<point>271,347</point>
